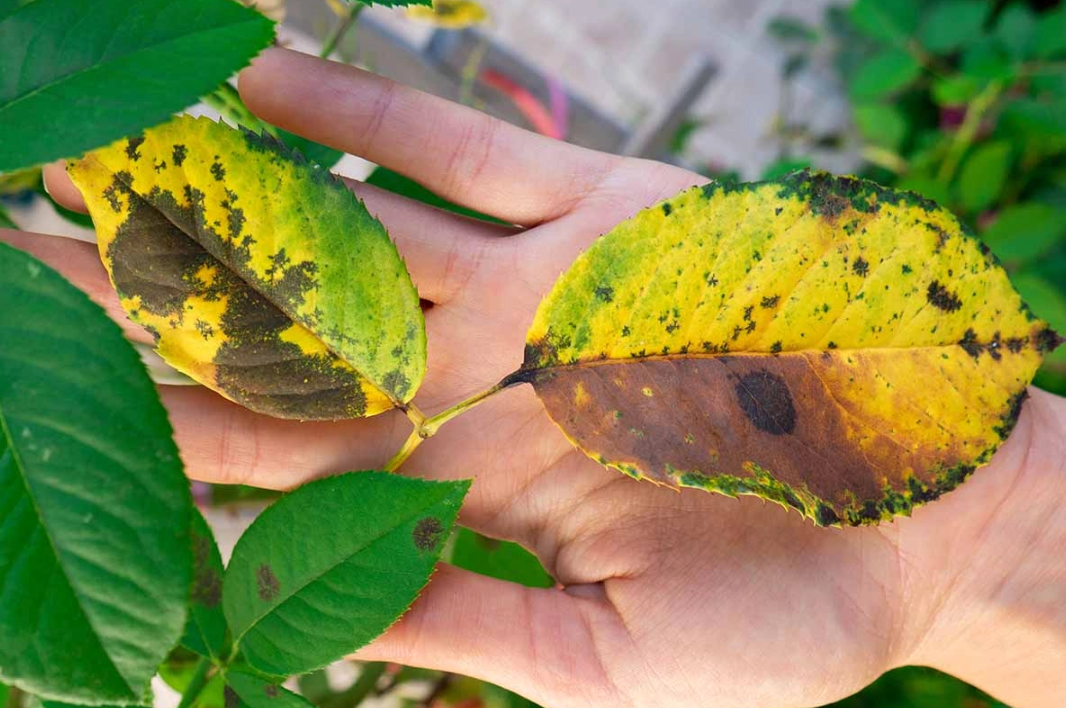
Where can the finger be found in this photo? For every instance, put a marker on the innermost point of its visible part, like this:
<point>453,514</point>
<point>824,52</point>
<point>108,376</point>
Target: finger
<point>79,263</point>
<point>458,152</point>
<point>443,251</point>
<point>59,186</point>
<point>540,643</point>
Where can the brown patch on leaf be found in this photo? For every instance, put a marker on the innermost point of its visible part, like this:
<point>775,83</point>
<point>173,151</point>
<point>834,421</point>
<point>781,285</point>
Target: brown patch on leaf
<point>267,583</point>
<point>427,533</point>
<point>942,298</point>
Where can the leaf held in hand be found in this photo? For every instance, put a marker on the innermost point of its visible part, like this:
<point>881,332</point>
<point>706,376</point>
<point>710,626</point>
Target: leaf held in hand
<point>300,592</point>
<point>259,274</point>
<point>840,348</point>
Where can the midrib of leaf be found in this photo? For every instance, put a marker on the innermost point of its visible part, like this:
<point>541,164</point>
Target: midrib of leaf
<point>105,66</point>
<point>333,565</point>
<point>20,466</point>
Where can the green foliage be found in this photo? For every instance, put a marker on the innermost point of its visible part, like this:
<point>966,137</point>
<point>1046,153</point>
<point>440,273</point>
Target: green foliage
<point>253,692</point>
<point>5,220</point>
<point>497,559</point>
<point>94,587</point>
<point>94,68</point>
<point>205,631</point>
<point>918,687</point>
<point>299,593</point>
<point>886,72</point>
<point>394,182</point>
<point>950,24</point>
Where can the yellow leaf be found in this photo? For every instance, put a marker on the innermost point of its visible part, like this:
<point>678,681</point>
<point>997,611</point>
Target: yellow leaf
<point>452,14</point>
<point>840,348</point>
<point>259,274</point>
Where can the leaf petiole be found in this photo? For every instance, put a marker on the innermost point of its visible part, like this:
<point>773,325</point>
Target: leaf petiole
<point>197,683</point>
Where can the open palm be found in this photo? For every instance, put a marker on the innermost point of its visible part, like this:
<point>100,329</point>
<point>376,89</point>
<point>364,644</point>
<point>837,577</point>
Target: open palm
<point>671,599</point>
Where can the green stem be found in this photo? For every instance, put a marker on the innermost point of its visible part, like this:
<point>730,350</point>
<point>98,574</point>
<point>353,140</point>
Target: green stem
<point>197,683</point>
<point>429,426</point>
<point>363,686</point>
<point>342,28</point>
<point>966,133</point>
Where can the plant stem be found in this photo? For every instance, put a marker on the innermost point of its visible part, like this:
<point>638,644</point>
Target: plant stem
<point>428,427</point>
<point>966,133</point>
<point>196,683</point>
<point>439,687</point>
<point>363,686</point>
<point>342,28</point>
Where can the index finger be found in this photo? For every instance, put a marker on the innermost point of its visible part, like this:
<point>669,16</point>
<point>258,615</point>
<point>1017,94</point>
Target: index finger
<point>460,153</point>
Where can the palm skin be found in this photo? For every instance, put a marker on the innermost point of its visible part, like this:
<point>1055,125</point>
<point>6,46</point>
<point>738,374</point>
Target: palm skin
<point>671,598</point>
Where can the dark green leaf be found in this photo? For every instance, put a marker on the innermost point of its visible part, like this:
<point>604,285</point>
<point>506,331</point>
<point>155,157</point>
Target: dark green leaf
<point>1016,30</point>
<point>101,70</point>
<point>1051,33</point>
<point>250,691</point>
<point>95,558</point>
<point>1024,231</point>
<point>5,220</point>
<point>498,559</point>
<point>986,61</point>
<point>791,29</point>
<point>384,178</point>
<point>3,696</point>
<point>329,567</point>
<point>881,124</point>
<point>983,176</point>
<point>951,24</point>
<point>1044,121</point>
<point>955,90</point>
<point>887,20</point>
<point>205,632</point>
<point>886,72</point>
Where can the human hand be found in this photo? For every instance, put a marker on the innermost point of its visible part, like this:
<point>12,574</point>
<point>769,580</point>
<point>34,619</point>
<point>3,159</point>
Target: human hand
<point>671,599</point>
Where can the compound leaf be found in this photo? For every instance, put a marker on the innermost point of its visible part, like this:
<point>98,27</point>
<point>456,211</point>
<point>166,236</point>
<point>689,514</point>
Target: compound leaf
<point>844,349</point>
<point>300,593</point>
<point>96,69</point>
<point>259,274</point>
<point>95,558</point>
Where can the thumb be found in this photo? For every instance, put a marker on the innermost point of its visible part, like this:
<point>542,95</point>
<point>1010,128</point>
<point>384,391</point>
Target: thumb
<point>540,643</point>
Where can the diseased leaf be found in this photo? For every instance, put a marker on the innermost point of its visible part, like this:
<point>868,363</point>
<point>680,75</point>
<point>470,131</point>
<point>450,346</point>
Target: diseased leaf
<point>300,593</point>
<point>260,275</point>
<point>205,631</point>
<point>100,70</point>
<point>834,346</point>
<point>250,691</point>
<point>452,14</point>
<point>94,507</point>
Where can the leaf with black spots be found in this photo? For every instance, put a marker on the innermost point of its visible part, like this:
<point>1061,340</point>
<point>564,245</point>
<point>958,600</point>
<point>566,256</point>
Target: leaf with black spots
<point>840,348</point>
<point>304,589</point>
<point>259,274</point>
<point>205,631</point>
<point>250,691</point>
<point>95,556</point>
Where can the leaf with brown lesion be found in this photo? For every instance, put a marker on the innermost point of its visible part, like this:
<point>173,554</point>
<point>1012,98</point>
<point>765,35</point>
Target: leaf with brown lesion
<point>259,274</point>
<point>843,349</point>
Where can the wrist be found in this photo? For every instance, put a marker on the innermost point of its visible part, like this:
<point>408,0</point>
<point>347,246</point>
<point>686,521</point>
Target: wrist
<point>985,568</point>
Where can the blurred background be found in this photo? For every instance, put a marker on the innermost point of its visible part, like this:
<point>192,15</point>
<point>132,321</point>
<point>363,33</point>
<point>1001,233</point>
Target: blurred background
<point>963,101</point>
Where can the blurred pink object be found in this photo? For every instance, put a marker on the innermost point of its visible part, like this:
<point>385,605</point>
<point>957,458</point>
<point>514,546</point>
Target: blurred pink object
<point>530,107</point>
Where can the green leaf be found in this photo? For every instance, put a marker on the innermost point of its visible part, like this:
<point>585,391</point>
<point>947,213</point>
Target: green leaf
<point>983,176</point>
<point>891,20</point>
<point>278,289</point>
<point>100,70</point>
<point>784,166</point>
<point>329,567</point>
<point>205,631</point>
<point>396,3</point>
<point>498,559</point>
<point>926,186</point>
<point>5,220</point>
<point>955,90</point>
<point>384,178</point>
<point>249,691</point>
<point>791,29</point>
<point>3,696</point>
<point>317,153</point>
<point>951,24</point>
<point>1015,31</point>
<point>881,124</point>
<point>1051,33</point>
<point>756,338</point>
<point>886,72</point>
<point>1024,231</point>
<point>986,61</point>
<point>95,560</point>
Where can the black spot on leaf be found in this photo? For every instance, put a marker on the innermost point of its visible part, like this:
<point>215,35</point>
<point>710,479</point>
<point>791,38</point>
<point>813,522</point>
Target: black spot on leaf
<point>427,533</point>
<point>766,401</point>
<point>230,699</point>
<point>218,171</point>
<point>267,583</point>
<point>605,293</point>
<point>860,266</point>
<point>667,209</point>
<point>970,344</point>
<point>132,146</point>
<point>942,298</point>
<point>179,155</point>
<point>770,302</point>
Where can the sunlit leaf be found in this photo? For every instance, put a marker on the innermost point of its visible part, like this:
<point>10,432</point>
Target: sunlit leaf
<point>452,14</point>
<point>260,275</point>
<point>95,557</point>
<point>840,348</point>
<point>103,69</point>
<point>304,589</point>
